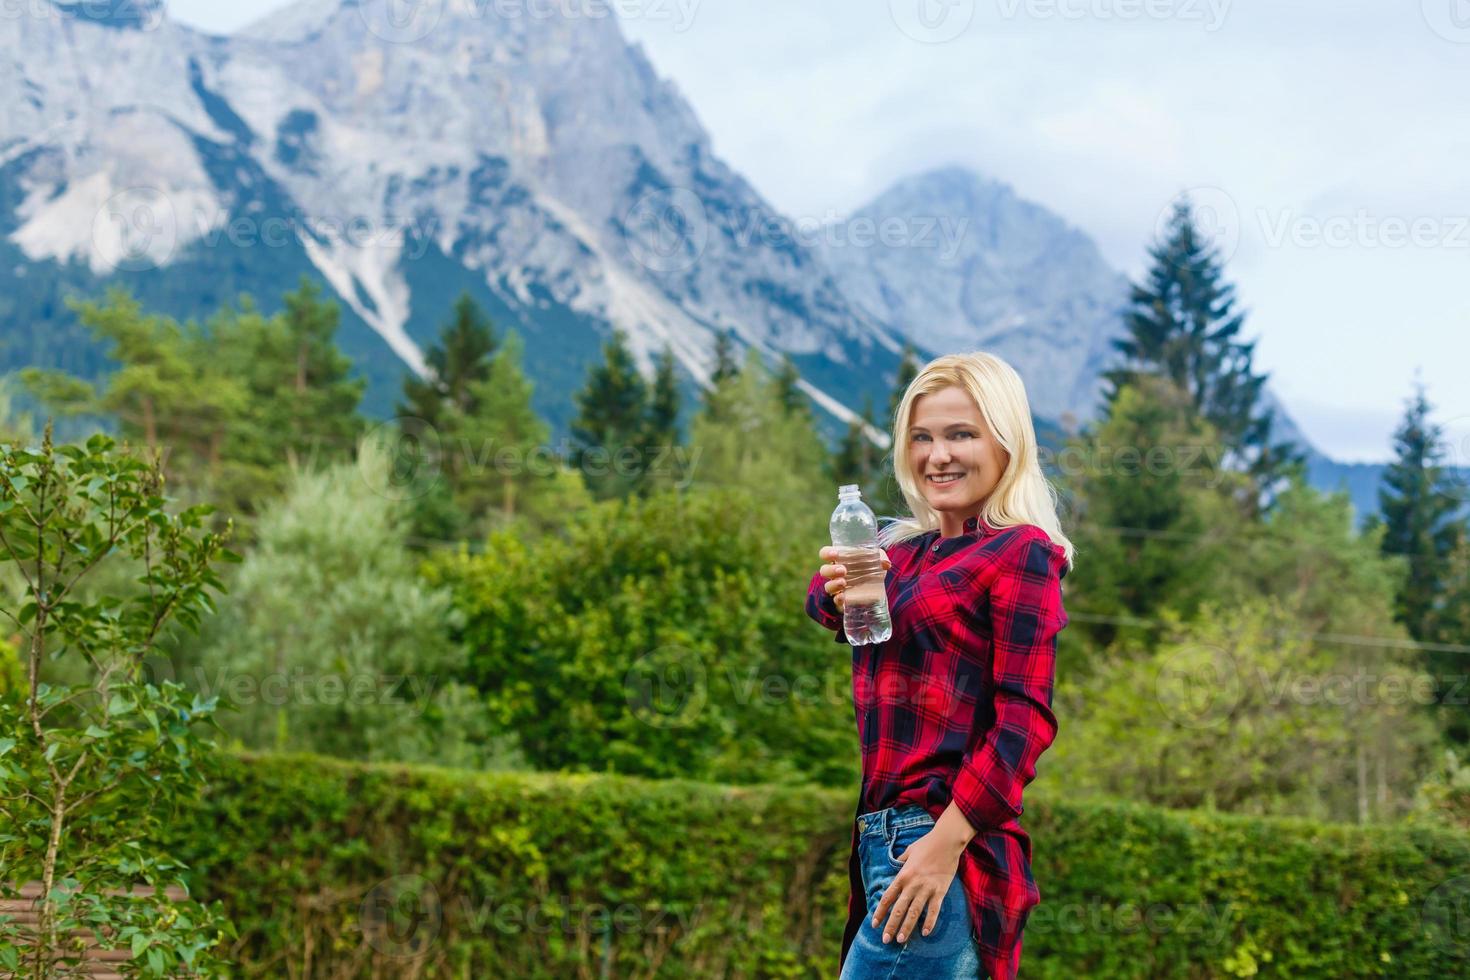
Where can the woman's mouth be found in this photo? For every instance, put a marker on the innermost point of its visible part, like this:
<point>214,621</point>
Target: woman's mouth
<point>943,479</point>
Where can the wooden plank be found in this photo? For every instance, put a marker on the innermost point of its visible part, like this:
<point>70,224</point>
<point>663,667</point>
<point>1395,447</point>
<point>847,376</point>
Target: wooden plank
<point>99,958</point>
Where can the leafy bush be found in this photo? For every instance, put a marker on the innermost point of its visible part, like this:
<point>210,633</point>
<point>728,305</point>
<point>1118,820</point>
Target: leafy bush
<point>1444,796</point>
<point>330,642</point>
<point>1242,712</point>
<point>351,870</point>
<point>660,637</point>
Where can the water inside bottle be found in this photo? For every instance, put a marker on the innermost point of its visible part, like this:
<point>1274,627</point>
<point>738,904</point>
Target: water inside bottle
<point>865,605</point>
<point>865,617</point>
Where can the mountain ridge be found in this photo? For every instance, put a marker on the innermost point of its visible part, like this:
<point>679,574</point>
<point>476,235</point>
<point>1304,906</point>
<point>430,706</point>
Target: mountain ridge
<point>540,163</point>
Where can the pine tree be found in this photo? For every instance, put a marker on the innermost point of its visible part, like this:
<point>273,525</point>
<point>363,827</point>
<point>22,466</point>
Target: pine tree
<point>788,388</point>
<point>747,440</point>
<point>459,359</point>
<point>308,382</point>
<point>1450,623</point>
<point>1148,528</point>
<point>437,411</point>
<point>1183,324</point>
<point>611,423</point>
<point>662,436</point>
<point>232,405</point>
<point>726,365</point>
<point>887,496</point>
<point>908,369</point>
<point>663,405</point>
<point>501,436</point>
<point>1419,503</point>
<point>857,460</point>
<point>725,372</point>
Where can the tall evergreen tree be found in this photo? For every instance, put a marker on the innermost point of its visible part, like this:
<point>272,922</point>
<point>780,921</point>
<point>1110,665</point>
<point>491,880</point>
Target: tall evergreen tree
<point>1147,527</point>
<point>1450,624</point>
<point>231,407</point>
<point>1418,526</point>
<point>663,436</point>
<point>663,403</point>
<point>503,439</point>
<point>748,440</point>
<point>887,495</point>
<point>726,365</point>
<point>612,422</point>
<point>858,460</point>
<point>161,394</point>
<point>726,370</point>
<point>908,369</point>
<point>459,359</point>
<point>1183,324</point>
<point>1419,502</point>
<point>788,388</point>
<point>16,424</point>
<point>306,378</point>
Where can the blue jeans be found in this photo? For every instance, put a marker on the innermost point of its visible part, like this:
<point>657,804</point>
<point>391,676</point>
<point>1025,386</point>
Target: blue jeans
<point>949,952</point>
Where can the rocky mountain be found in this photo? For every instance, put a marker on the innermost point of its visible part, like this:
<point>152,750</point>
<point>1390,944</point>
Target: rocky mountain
<point>996,272</point>
<point>538,162</point>
<point>403,153</point>
<point>955,261</point>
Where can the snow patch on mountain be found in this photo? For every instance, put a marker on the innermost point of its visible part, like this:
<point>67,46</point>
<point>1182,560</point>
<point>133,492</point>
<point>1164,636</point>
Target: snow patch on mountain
<point>369,281</point>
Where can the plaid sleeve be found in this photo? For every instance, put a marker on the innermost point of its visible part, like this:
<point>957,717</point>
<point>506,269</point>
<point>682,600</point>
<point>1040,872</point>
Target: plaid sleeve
<point>819,606</point>
<point>1026,615</point>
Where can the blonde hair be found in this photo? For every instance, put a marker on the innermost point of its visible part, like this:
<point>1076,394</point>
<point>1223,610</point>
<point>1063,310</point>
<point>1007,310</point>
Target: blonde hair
<point>1024,495</point>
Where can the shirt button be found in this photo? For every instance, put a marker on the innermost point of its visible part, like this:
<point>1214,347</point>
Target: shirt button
<point>936,547</point>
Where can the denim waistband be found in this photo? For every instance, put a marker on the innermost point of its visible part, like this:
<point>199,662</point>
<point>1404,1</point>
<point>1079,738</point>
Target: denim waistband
<point>884,823</point>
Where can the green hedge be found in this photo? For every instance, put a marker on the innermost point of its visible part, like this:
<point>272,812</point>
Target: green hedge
<point>340,869</point>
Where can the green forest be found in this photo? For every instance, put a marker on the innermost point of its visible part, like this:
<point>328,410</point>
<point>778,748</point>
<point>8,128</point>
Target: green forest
<point>256,643</point>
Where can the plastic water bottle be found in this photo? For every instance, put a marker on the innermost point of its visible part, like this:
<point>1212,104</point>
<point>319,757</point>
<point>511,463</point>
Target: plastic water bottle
<point>864,600</point>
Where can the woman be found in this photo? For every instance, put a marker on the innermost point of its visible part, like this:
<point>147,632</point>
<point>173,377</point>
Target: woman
<point>954,709</point>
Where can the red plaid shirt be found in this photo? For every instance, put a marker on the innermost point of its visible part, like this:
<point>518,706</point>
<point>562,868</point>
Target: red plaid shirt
<point>956,705</point>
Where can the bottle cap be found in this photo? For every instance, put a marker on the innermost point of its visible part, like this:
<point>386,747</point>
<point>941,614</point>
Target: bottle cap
<point>850,490</point>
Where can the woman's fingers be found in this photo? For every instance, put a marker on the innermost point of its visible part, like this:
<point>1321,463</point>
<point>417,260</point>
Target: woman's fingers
<point>911,918</point>
<point>933,916</point>
<point>832,571</point>
<point>897,914</point>
<point>908,903</point>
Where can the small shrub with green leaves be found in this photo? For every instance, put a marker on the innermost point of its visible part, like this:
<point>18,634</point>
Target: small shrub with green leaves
<point>91,769</point>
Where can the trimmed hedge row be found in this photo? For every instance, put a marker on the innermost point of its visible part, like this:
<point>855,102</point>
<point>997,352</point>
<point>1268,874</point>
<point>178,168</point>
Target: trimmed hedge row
<point>338,869</point>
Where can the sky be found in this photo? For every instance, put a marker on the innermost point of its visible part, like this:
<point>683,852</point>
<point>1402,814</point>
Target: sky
<point>1326,141</point>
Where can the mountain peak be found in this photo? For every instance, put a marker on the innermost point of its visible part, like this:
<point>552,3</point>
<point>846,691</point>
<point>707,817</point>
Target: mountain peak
<point>981,267</point>
<point>951,184</point>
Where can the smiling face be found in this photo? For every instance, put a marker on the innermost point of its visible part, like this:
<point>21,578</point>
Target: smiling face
<point>953,455</point>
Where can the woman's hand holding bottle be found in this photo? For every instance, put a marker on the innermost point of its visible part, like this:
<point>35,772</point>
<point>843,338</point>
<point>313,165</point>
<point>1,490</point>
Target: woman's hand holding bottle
<point>836,575</point>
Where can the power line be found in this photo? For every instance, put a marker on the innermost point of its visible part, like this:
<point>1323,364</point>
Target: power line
<point>1211,536</point>
<point>1347,639</point>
